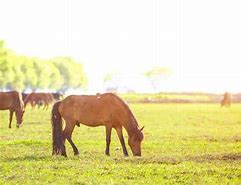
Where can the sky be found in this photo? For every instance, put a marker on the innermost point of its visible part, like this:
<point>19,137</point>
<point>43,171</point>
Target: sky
<point>200,41</point>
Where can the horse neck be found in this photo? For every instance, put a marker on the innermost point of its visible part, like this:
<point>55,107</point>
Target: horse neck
<point>131,124</point>
<point>26,100</point>
<point>18,104</point>
<point>132,127</point>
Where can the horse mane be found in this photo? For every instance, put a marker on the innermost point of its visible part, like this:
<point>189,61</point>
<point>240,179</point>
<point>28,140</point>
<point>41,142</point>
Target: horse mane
<point>21,100</point>
<point>124,104</point>
<point>27,99</point>
<point>18,98</point>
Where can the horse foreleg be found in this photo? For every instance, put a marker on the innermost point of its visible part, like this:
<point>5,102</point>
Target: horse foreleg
<point>39,105</point>
<point>10,118</point>
<point>108,139</point>
<point>122,141</point>
<point>47,106</point>
<point>68,134</point>
<point>33,104</point>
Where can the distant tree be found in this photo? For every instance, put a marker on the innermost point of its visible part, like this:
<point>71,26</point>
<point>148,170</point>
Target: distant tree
<point>56,80</point>
<point>29,71</point>
<point>108,77</point>
<point>48,75</point>
<point>42,72</point>
<point>72,73</point>
<point>4,66</point>
<point>16,81</point>
<point>156,74</point>
<point>22,72</point>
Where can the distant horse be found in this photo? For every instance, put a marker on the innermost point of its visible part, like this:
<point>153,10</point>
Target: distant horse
<point>38,99</point>
<point>226,100</point>
<point>57,96</point>
<point>94,110</point>
<point>24,95</point>
<point>13,102</point>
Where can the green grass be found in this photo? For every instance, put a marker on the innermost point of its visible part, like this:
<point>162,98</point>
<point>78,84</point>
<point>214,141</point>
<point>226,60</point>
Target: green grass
<point>184,144</point>
<point>195,97</point>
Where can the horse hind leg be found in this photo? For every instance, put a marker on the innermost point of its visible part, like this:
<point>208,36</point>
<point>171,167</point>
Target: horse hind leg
<point>46,105</point>
<point>67,134</point>
<point>122,141</point>
<point>33,104</point>
<point>108,139</point>
<point>10,118</point>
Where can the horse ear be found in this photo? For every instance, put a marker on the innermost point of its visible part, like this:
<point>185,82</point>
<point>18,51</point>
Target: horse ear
<point>142,128</point>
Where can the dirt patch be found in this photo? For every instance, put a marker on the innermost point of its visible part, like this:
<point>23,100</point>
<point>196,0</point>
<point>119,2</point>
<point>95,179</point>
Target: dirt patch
<point>232,157</point>
<point>213,157</point>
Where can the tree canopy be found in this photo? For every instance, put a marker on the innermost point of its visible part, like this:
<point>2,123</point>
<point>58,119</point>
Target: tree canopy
<point>156,74</point>
<point>23,72</point>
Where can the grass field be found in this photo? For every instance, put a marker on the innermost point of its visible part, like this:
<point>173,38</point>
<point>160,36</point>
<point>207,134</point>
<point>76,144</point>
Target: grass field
<point>167,97</point>
<point>184,144</point>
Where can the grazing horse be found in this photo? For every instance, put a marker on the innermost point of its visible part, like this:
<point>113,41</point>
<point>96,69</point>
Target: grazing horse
<point>24,95</point>
<point>38,99</point>
<point>94,110</point>
<point>57,96</point>
<point>226,100</point>
<point>13,102</point>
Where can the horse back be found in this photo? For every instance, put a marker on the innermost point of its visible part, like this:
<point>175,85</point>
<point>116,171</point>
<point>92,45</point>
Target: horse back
<point>93,110</point>
<point>10,100</point>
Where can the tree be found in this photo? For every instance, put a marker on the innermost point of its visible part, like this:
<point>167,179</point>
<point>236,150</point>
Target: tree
<point>108,77</point>
<point>22,72</point>
<point>4,67</point>
<point>156,74</point>
<point>29,70</point>
<point>43,72</point>
<point>16,82</point>
<point>56,80</point>
<point>72,73</point>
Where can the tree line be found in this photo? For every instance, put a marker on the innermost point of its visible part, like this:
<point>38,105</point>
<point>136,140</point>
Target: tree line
<point>23,72</point>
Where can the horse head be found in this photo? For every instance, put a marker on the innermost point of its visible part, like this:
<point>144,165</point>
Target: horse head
<point>135,142</point>
<point>19,114</point>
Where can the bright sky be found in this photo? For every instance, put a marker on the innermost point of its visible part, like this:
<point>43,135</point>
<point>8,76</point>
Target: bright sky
<point>200,41</point>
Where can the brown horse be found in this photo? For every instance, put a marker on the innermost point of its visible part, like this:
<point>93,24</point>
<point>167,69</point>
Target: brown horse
<point>94,110</point>
<point>13,102</point>
<point>38,98</point>
<point>226,100</point>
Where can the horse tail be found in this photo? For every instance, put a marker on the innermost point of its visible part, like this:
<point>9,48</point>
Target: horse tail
<point>57,131</point>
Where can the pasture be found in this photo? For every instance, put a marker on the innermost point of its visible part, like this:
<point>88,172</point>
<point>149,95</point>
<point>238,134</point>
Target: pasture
<point>183,144</point>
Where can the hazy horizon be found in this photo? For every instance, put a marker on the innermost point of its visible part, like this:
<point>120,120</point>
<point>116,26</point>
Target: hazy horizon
<point>199,41</point>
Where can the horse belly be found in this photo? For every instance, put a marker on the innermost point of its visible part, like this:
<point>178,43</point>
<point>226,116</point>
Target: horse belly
<point>92,122</point>
<point>4,105</point>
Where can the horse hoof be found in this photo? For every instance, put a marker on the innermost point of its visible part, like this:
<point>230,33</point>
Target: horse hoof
<point>65,155</point>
